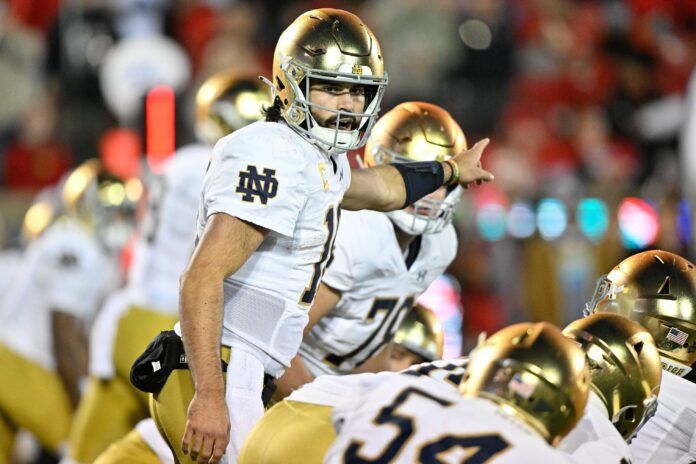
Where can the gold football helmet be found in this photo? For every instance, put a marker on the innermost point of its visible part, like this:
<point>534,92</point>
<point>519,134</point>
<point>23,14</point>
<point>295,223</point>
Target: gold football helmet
<point>43,211</point>
<point>418,131</point>
<point>657,289</point>
<point>328,45</point>
<point>102,202</point>
<point>421,333</point>
<point>535,374</point>
<point>228,101</point>
<point>624,367</point>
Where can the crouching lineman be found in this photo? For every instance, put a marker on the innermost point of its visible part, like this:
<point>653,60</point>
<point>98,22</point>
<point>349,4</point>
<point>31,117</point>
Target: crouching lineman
<point>526,387</point>
<point>658,290</point>
<point>225,102</point>
<point>627,374</point>
<point>382,262</point>
<point>266,225</point>
<point>625,371</point>
<point>62,278</point>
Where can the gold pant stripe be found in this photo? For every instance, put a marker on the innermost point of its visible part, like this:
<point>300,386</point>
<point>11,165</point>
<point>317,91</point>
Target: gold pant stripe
<point>110,408</point>
<point>290,433</point>
<point>31,398</point>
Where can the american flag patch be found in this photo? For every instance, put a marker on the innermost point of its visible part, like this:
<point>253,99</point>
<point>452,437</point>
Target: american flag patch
<point>677,336</point>
<point>522,388</point>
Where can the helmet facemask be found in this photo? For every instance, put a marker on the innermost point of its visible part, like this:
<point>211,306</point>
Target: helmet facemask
<point>427,215</point>
<point>298,114</point>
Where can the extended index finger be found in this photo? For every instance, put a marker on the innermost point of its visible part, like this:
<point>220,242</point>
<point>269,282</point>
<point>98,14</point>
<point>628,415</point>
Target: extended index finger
<point>477,149</point>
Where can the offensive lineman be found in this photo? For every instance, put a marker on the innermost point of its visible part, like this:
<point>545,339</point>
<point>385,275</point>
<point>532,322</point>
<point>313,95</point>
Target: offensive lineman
<point>625,371</point>
<point>225,102</point>
<point>62,278</point>
<point>267,220</point>
<point>658,290</point>
<point>525,388</point>
<point>625,368</point>
<point>382,262</point>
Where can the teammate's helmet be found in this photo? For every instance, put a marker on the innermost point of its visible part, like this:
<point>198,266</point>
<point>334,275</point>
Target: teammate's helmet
<point>328,45</point>
<point>418,131</point>
<point>624,367</point>
<point>102,202</point>
<point>535,374</point>
<point>657,289</point>
<point>45,208</point>
<point>421,333</point>
<point>228,101</point>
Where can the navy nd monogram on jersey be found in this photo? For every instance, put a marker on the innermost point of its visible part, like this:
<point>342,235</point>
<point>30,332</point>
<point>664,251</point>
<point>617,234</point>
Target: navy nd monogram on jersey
<point>266,175</point>
<point>377,289</point>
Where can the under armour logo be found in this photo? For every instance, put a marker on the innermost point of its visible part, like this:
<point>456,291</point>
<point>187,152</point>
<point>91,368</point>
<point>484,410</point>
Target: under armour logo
<point>421,275</point>
<point>68,260</point>
<point>253,185</point>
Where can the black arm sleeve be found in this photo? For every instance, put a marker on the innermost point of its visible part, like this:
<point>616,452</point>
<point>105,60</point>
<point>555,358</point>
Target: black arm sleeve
<point>420,178</point>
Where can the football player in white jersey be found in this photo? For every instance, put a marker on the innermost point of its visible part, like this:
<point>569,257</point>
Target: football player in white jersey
<point>658,290</point>
<point>419,339</point>
<point>225,102</point>
<point>625,371</point>
<point>382,262</point>
<point>267,222</point>
<point>62,278</point>
<point>526,387</point>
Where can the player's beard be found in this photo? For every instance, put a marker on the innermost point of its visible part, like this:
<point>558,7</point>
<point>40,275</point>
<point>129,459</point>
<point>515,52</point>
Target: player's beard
<point>347,123</point>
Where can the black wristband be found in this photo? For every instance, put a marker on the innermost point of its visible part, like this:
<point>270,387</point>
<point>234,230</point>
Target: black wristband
<point>420,179</point>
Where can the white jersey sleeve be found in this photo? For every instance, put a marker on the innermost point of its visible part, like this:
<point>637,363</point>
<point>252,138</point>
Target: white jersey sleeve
<point>670,435</point>
<point>595,439</point>
<point>417,419</point>
<point>258,177</point>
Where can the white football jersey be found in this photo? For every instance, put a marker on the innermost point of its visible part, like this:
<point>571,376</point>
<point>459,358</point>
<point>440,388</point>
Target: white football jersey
<point>152,437</point>
<point>418,419</point>
<point>333,390</point>
<point>267,175</point>
<point>65,269</point>
<point>9,262</point>
<point>594,438</point>
<point>168,232</point>
<point>377,289</point>
<point>670,435</point>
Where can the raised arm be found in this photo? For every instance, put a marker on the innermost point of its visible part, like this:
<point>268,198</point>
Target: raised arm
<point>226,244</point>
<point>388,188</point>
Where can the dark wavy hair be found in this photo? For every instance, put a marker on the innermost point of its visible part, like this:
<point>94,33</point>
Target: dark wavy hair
<point>274,112</point>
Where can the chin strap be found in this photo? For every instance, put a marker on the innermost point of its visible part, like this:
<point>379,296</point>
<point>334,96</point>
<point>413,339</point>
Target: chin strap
<point>268,82</point>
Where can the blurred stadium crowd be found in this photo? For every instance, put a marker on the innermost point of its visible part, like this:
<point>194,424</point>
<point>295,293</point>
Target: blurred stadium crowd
<point>584,102</point>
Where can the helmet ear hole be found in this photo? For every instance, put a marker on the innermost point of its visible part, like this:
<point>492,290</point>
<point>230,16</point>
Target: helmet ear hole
<point>664,288</point>
<point>638,347</point>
